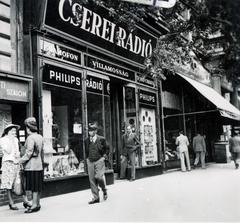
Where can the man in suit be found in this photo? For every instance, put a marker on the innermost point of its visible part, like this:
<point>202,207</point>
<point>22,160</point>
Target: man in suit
<point>183,143</point>
<point>130,144</point>
<point>234,147</point>
<point>96,150</point>
<point>199,147</point>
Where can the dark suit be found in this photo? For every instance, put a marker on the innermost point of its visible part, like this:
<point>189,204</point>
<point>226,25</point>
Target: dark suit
<point>129,145</point>
<point>95,152</point>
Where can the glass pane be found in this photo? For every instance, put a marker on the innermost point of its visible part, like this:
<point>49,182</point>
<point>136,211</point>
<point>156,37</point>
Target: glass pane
<point>95,111</point>
<point>62,132</point>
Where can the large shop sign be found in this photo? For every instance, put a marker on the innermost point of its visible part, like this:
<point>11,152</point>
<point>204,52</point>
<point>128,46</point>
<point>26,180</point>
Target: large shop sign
<point>61,77</point>
<point>106,67</point>
<point>146,97</point>
<point>96,28</point>
<point>14,91</point>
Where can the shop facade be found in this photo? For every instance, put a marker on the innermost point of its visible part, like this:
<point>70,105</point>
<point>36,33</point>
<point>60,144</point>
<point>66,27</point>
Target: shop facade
<point>90,70</point>
<point>192,105</point>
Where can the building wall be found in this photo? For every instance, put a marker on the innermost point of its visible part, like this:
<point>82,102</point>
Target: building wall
<point>15,87</point>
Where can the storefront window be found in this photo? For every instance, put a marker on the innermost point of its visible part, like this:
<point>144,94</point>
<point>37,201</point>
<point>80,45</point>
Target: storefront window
<point>62,132</point>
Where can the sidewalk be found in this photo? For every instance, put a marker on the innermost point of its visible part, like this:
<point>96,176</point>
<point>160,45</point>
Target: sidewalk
<point>200,195</point>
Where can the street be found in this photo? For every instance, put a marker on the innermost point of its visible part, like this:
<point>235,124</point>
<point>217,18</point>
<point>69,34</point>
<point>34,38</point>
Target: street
<point>200,195</point>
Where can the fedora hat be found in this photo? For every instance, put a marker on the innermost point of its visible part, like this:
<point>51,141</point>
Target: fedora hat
<point>31,123</point>
<point>9,127</point>
<point>92,127</point>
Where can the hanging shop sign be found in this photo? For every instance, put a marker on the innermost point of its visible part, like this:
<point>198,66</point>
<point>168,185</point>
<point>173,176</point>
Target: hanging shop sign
<point>95,27</point>
<point>59,52</point>
<point>146,97</point>
<point>62,77</point>
<point>14,91</point>
<point>103,66</point>
<point>145,80</point>
<point>157,3</point>
<point>97,85</point>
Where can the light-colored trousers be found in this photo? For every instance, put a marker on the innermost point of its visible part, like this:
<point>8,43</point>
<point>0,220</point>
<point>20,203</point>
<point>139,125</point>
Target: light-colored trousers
<point>96,176</point>
<point>124,162</point>
<point>200,155</point>
<point>184,156</point>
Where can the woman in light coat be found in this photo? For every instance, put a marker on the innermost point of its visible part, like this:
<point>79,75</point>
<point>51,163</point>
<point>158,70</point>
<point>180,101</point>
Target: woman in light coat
<point>33,163</point>
<point>10,162</point>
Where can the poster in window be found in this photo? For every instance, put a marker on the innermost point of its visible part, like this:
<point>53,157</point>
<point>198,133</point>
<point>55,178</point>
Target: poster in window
<point>148,136</point>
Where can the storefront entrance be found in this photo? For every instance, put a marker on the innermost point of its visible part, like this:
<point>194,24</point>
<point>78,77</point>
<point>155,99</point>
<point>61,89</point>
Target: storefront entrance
<point>123,113</point>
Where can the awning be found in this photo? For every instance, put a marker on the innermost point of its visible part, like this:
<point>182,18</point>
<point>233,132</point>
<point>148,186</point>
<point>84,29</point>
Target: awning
<point>225,108</point>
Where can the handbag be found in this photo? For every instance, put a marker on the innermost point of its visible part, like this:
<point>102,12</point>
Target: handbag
<point>18,187</point>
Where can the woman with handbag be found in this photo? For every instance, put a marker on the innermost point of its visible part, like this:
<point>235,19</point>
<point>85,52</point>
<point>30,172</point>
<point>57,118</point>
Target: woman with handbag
<point>32,161</point>
<point>10,162</point>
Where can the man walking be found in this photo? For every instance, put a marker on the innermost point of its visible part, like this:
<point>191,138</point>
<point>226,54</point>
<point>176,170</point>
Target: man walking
<point>96,150</point>
<point>234,147</point>
<point>130,144</point>
<point>183,143</point>
<point>199,147</point>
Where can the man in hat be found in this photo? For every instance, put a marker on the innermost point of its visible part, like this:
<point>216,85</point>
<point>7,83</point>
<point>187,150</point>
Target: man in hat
<point>96,150</point>
<point>234,147</point>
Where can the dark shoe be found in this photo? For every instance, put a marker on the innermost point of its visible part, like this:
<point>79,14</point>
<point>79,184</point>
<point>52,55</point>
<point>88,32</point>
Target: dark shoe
<point>194,166</point>
<point>132,179</point>
<point>31,210</point>
<point>26,205</point>
<point>93,201</point>
<point>237,165</point>
<point>15,208</point>
<point>105,195</point>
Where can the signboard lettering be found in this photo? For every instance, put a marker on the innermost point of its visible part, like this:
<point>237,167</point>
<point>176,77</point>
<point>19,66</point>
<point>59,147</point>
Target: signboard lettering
<point>147,97</point>
<point>145,81</point>
<point>59,52</point>
<point>97,85</point>
<point>109,68</point>
<point>61,76</point>
<point>11,90</point>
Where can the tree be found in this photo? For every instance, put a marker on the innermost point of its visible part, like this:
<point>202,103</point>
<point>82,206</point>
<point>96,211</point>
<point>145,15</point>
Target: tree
<point>191,23</point>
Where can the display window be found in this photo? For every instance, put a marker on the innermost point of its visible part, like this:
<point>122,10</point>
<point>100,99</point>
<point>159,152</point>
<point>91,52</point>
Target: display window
<point>62,132</point>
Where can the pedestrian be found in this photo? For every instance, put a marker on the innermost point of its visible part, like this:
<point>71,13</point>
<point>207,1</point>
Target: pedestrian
<point>96,152</point>
<point>199,148</point>
<point>130,144</point>
<point>182,144</point>
<point>234,147</point>
<point>32,161</point>
<point>10,162</point>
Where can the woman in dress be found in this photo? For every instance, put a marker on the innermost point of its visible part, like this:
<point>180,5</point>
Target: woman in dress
<point>33,163</point>
<point>10,162</point>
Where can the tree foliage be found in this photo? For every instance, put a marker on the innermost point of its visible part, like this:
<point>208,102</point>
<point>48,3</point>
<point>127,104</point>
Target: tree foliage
<point>191,25</point>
